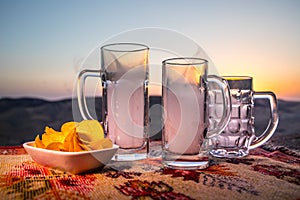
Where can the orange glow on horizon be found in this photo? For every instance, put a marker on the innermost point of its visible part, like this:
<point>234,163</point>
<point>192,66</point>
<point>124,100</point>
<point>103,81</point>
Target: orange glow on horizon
<point>290,90</point>
<point>279,76</point>
<point>280,91</point>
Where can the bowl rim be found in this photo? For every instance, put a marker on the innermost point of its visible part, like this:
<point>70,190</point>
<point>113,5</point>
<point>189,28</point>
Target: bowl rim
<point>29,145</point>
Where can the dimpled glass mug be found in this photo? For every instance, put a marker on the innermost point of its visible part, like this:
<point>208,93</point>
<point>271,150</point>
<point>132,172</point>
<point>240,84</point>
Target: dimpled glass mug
<point>239,135</point>
<point>185,101</point>
<point>124,77</point>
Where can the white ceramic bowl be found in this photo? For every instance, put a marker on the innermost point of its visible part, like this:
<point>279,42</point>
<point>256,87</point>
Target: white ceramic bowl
<point>73,162</point>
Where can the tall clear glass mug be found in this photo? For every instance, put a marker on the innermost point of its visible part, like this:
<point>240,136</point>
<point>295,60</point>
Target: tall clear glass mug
<point>239,136</point>
<point>124,76</point>
<point>185,104</point>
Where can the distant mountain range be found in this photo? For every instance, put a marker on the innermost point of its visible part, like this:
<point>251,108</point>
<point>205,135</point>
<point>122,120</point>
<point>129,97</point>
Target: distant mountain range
<point>22,119</point>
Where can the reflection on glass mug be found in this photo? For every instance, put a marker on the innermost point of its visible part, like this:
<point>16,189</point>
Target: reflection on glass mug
<point>124,77</point>
<point>185,101</point>
<point>239,136</point>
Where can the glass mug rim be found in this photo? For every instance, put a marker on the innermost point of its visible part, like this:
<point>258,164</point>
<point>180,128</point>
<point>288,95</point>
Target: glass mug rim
<point>237,78</point>
<point>127,47</point>
<point>239,82</point>
<point>179,61</point>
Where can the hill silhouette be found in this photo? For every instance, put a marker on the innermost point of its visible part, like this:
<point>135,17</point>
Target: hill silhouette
<point>22,119</point>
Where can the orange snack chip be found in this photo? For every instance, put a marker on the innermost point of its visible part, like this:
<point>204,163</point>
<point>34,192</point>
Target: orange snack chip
<point>38,142</point>
<point>73,137</point>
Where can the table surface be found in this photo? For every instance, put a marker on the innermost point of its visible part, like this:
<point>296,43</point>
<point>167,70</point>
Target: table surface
<point>267,173</point>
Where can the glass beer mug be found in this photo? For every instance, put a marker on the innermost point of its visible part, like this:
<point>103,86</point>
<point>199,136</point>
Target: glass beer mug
<point>239,136</point>
<point>186,115</point>
<point>124,77</point>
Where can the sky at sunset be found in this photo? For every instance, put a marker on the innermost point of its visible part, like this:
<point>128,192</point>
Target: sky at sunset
<point>43,43</point>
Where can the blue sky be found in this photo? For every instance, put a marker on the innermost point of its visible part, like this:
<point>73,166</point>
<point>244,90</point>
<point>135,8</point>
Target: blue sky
<point>42,43</point>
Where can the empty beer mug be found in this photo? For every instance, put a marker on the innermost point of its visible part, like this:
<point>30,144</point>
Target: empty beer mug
<point>239,136</point>
<point>124,78</point>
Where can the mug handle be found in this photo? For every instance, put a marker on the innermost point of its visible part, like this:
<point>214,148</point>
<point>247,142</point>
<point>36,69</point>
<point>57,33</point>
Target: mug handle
<point>273,122</point>
<point>81,91</point>
<point>226,114</point>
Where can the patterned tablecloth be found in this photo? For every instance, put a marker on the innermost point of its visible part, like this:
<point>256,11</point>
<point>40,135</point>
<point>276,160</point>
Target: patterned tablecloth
<point>268,173</point>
